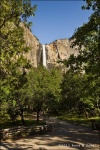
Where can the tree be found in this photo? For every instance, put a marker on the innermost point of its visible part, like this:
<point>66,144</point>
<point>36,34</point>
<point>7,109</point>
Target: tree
<point>87,62</point>
<point>54,95</point>
<point>11,36</point>
<point>71,91</point>
<point>13,47</point>
<point>43,86</point>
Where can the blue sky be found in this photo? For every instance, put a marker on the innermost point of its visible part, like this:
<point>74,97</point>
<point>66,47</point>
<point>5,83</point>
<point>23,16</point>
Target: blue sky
<point>57,19</point>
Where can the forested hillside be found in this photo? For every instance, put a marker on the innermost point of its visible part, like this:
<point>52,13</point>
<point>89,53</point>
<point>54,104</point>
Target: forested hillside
<point>27,86</point>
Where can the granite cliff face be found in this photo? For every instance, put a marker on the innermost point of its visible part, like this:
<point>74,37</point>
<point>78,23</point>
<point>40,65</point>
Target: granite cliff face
<point>59,50</point>
<point>55,51</point>
<point>35,53</point>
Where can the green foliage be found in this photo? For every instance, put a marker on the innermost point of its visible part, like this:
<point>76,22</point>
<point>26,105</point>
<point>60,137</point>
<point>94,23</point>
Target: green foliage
<point>43,87</point>
<point>13,10</point>
<point>13,65</point>
<point>71,90</point>
<point>87,63</point>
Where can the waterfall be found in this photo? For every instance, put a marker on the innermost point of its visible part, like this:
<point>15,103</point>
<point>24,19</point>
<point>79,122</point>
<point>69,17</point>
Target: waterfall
<point>44,56</point>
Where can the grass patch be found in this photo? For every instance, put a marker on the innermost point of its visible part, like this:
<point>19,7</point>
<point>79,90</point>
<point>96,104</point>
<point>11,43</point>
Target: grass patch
<point>30,120</point>
<point>80,121</point>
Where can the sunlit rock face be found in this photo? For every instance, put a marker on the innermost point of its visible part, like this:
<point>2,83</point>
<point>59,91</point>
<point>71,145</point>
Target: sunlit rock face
<point>59,50</point>
<point>35,53</point>
<point>55,51</point>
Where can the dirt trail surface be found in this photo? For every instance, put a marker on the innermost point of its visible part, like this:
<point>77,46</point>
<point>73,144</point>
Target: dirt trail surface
<point>65,136</point>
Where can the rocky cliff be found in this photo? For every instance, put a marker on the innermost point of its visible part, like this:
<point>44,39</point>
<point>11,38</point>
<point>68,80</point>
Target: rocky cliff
<point>55,51</point>
<point>35,53</point>
<point>59,50</point>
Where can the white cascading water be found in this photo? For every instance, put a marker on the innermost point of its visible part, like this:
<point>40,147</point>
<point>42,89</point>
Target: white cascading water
<point>44,56</point>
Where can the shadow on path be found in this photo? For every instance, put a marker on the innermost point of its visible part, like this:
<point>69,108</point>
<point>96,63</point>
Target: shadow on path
<point>65,136</point>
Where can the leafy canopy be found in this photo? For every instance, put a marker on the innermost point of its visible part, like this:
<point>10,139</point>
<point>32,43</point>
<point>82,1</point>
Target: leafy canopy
<point>13,47</point>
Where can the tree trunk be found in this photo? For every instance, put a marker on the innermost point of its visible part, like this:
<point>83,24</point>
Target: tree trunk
<point>38,112</point>
<point>86,113</point>
<point>22,117</point>
<point>93,124</point>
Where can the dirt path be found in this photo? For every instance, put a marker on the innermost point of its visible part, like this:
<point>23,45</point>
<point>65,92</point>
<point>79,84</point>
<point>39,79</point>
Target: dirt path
<point>64,137</point>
